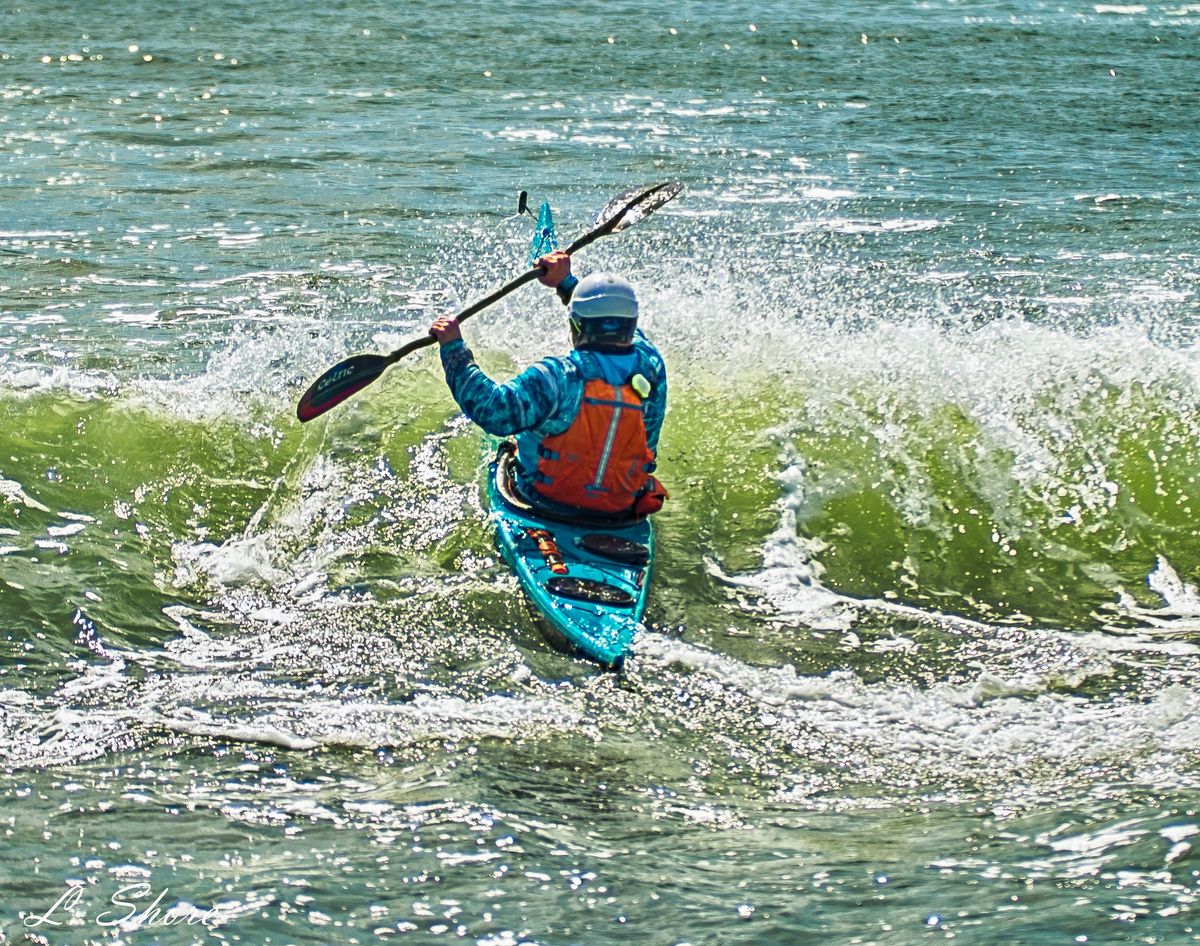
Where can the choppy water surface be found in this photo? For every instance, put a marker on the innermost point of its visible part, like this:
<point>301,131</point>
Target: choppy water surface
<point>922,657</point>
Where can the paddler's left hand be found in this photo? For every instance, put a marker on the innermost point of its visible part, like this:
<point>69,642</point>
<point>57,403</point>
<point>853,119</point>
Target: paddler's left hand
<point>556,267</point>
<point>445,330</point>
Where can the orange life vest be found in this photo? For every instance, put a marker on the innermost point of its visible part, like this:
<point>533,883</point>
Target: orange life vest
<point>601,461</point>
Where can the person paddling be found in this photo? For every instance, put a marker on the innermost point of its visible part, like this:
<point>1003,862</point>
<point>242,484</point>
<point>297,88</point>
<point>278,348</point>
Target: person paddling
<point>587,424</point>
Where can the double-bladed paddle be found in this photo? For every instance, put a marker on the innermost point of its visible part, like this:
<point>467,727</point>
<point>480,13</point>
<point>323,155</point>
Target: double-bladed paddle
<point>356,372</point>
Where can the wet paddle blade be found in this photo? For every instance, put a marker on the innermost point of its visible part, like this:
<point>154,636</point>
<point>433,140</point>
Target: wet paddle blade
<point>650,200</point>
<point>545,240</point>
<point>339,382</point>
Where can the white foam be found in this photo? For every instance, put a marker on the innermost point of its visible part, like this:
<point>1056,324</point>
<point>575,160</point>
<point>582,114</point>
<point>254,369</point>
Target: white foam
<point>1121,640</point>
<point>29,381</point>
<point>107,676</point>
<point>234,563</point>
<point>62,532</point>
<point>299,720</point>
<point>997,722</point>
<point>13,492</point>
<point>1178,615</point>
<point>789,579</point>
<point>1178,596</point>
<point>103,705</point>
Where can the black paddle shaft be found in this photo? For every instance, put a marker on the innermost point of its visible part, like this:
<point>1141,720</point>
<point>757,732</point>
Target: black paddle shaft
<point>472,309</point>
<point>607,227</point>
<point>355,373</point>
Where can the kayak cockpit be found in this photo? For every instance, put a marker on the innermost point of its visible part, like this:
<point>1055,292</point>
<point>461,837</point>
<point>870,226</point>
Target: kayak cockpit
<point>585,579</point>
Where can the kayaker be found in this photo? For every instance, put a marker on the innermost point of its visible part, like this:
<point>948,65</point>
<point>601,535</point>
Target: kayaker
<point>587,423</point>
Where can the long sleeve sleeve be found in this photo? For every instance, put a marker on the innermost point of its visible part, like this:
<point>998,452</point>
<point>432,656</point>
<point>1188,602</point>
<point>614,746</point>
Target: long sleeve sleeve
<point>501,409</point>
<point>655,407</point>
<point>654,411</point>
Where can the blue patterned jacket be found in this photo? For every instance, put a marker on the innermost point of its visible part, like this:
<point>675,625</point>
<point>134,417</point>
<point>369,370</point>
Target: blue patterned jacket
<point>544,399</point>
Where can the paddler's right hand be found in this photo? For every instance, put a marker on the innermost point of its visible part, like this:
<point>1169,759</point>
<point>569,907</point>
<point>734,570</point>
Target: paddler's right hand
<point>445,330</point>
<point>556,267</point>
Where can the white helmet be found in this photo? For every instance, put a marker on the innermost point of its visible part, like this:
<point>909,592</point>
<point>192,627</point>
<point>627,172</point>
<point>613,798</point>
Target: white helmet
<point>604,308</point>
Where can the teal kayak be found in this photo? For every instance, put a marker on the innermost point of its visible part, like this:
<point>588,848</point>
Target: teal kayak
<point>586,581</point>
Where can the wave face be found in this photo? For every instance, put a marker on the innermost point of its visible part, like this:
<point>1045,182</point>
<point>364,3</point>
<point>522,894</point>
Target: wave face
<point>921,653</point>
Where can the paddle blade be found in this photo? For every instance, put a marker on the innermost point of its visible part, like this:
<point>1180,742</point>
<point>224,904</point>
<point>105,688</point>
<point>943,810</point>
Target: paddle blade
<point>339,382</point>
<point>637,204</point>
<point>545,240</point>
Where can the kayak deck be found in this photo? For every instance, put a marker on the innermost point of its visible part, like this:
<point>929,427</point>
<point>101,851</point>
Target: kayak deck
<point>587,581</point>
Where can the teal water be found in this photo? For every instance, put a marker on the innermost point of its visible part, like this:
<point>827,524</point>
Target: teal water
<point>921,662</point>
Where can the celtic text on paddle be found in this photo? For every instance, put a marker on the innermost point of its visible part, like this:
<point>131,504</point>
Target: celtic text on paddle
<point>124,909</point>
